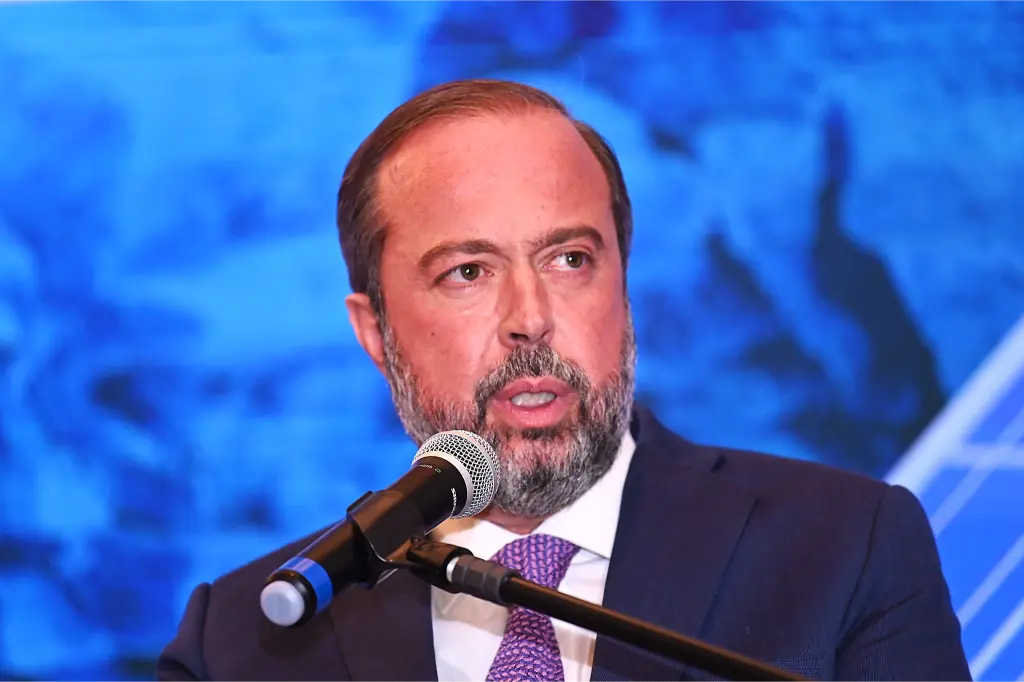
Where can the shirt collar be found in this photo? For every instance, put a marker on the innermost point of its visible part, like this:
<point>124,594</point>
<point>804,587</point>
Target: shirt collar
<point>589,523</point>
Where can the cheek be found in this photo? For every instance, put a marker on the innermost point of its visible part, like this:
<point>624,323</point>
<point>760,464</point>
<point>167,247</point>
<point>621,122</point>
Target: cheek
<point>445,352</point>
<point>592,331</point>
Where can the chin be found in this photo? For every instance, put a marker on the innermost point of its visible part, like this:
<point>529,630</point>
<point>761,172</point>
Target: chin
<point>530,447</point>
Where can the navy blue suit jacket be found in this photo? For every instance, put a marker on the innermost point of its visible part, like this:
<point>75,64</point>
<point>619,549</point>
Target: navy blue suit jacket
<point>824,573</point>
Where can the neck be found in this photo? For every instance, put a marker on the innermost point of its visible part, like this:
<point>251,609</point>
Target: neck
<point>514,524</point>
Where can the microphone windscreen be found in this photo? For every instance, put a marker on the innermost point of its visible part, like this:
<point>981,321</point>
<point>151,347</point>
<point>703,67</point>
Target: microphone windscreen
<point>478,459</point>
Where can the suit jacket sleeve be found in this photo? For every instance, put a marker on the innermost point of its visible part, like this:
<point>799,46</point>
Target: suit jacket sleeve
<point>182,659</point>
<point>900,624</point>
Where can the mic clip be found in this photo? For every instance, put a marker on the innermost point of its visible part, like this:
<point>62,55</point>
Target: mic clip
<point>376,525</point>
<point>434,561</point>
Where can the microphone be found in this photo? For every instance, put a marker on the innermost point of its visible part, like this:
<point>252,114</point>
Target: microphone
<point>454,474</point>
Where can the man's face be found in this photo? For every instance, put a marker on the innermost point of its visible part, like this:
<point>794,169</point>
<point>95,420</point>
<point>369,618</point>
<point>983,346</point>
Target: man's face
<point>505,310</point>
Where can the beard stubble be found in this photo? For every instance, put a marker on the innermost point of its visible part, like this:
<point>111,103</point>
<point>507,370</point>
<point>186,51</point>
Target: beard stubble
<point>543,470</point>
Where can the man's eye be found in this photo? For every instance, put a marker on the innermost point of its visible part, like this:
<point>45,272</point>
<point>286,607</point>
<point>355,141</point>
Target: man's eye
<point>467,272</point>
<point>574,259</point>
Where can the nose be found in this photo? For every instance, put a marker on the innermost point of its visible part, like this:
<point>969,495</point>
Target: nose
<point>526,318</point>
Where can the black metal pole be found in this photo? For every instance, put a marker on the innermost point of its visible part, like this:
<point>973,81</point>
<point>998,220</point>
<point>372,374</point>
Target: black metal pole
<point>629,630</point>
<point>455,569</point>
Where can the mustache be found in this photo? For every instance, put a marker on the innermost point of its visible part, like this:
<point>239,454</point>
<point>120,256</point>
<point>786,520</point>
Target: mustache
<point>530,361</point>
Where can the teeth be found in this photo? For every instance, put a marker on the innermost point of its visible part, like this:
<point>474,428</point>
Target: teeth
<point>532,399</point>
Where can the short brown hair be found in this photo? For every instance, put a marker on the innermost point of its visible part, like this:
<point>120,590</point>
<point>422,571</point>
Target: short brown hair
<point>360,228</point>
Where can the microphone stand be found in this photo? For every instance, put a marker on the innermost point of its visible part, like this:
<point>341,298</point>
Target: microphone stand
<point>456,570</point>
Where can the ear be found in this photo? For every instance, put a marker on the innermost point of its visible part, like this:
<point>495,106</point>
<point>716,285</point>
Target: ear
<point>366,326</point>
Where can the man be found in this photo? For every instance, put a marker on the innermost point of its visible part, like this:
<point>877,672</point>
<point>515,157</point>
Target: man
<point>487,235</point>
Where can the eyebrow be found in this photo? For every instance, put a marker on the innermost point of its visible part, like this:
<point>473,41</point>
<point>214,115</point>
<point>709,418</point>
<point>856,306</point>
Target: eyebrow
<point>557,236</point>
<point>567,234</point>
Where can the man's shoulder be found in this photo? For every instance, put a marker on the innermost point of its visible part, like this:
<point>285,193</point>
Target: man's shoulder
<point>846,556</point>
<point>773,474</point>
<point>223,633</point>
<point>816,497</point>
<point>783,483</point>
<point>820,500</point>
<point>254,572</point>
<point>756,469</point>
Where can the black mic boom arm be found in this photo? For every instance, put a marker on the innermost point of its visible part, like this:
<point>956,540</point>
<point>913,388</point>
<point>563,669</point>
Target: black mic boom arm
<point>456,570</point>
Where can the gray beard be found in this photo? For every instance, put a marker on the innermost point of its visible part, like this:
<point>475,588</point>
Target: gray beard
<point>535,481</point>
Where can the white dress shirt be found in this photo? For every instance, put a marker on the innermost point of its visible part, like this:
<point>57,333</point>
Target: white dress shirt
<point>468,631</point>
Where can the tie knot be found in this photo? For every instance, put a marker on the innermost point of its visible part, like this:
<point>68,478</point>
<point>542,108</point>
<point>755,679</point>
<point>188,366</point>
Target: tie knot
<point>543,559</point>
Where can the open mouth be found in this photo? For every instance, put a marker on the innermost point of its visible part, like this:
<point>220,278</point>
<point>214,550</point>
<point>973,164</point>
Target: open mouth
<point>534,403</point>
<point>528,399</point>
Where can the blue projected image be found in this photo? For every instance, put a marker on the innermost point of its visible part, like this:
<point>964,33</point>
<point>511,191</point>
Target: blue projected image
<point>827,246</point>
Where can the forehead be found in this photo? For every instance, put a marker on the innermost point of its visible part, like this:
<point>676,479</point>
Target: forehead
<point>492,175</point>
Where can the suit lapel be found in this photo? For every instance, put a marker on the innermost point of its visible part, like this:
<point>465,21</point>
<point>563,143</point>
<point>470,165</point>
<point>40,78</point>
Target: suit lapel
<point>386,633</point>
<point>678,526</point>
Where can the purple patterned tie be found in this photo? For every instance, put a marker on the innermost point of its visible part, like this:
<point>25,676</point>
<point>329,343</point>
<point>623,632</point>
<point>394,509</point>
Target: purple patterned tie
<point>529,650</point>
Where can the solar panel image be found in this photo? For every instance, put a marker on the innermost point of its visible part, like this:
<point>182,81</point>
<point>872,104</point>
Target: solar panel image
<point>968,470</point>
